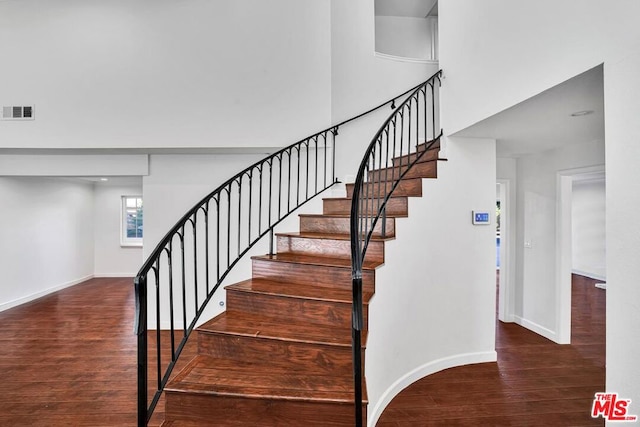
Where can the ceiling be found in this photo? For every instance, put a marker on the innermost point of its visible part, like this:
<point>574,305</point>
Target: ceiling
<point>406,8</point>
<point>544,122</point>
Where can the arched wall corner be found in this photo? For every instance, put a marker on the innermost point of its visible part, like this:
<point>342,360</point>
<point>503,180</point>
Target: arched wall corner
<point>422,371</point>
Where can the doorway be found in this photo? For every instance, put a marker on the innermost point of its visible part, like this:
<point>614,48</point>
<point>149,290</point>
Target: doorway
<point>564,244</point>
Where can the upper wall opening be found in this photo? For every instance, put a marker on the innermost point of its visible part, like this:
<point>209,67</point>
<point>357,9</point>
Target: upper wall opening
<point>407,29</point>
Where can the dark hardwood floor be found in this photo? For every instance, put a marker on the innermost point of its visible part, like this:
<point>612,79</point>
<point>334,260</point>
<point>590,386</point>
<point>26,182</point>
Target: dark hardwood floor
<point>69,359</point>
<point>535,382</point>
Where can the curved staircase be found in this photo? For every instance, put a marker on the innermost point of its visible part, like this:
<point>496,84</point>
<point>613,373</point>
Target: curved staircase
<point>281,353</point>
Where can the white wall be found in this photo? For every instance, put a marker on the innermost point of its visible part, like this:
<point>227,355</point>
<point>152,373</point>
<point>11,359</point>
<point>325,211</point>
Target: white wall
<point>622,89</point>
<point>83,165</point>
<point>360,80</point>
<point>497,53</point>
<point>112,259</point>
<point>46,237</point>
<point>177,182</point>
<point>588,221</point>
<point>147,73</point>
<point>434,306</point>
<point>403,36</point>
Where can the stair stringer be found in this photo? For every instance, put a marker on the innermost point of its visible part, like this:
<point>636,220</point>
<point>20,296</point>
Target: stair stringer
<point>434,306</point>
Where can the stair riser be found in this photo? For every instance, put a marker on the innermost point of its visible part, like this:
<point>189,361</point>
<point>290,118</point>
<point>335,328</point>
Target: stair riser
<point>428,156</point>
<point>396,206</point>
<point>223,411</point>
<point>316,312</point>
<point>340,225</point>
<point>419,170</point>
<point>331,360</point>
<point>311,275</point>
<point>433,145</point>
<point>406,187</point>
<point>327,247</point>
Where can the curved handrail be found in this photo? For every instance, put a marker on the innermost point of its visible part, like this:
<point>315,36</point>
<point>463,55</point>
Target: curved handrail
<point>264,193</point>
<point>408,133</point>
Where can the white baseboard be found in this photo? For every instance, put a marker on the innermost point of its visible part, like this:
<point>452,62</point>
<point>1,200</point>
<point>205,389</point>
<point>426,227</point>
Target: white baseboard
<point>538,329</point>
<point>423,371</point>
<point>590,275</point>
<point>23,300</point>
<point>115,275</point>
<point>510,318</point>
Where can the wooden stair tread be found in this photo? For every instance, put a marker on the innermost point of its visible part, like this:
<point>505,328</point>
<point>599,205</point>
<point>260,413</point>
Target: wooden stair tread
<point>212,376</point>
<point>315,260</point>
<point>285,289</point>
<point>429,155</point>
<point>329,236</point>
<point>346,216</point>
<point>389,171</point>
<point>181,423</point>
<point>376,198</point>
<point>244,324</point>
<point>433,144</point>
<point>411,187</point>
<point>383,181</point>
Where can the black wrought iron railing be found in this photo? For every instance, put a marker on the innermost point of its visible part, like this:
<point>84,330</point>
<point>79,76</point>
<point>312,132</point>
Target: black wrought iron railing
<point>190,263</point>
<point>408,133</point>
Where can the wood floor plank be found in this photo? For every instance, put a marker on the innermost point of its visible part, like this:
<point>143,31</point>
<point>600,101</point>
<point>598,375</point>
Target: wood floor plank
<point>69,358</point>
<point>534,383</point>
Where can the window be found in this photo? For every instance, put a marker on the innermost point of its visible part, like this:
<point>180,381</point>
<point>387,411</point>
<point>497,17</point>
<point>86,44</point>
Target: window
<point>131,224</point>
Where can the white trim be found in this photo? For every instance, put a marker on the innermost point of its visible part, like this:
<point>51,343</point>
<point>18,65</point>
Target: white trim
<point>538,329</point>
<point>115,275</point>
<point>589,275</point>
<point>423,371</point>
<point>404,59</point>
<point>28,298</point>
<point>124,240</point>
<point>131,245</point>
<point>165,325</point>
<point>506,302</point>
<point>564,189</point>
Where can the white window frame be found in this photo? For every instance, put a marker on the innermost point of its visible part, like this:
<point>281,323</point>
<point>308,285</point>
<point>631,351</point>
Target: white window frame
<point>124,239</point>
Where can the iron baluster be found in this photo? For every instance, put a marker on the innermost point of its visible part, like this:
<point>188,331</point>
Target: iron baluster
<point>184,281</point>
<point>140,285</point>
<point>250,200</point>
<point>228,226</point>
<point>206,243</point>
<point>171,319</point>
<point>195,260</point>
<point>156,270</point>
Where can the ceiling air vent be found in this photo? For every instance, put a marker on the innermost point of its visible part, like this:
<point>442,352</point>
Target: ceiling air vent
<point>14,112</point>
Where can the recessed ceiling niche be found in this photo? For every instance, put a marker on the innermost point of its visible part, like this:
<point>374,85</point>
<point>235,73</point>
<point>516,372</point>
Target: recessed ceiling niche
<point>407,29</point>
